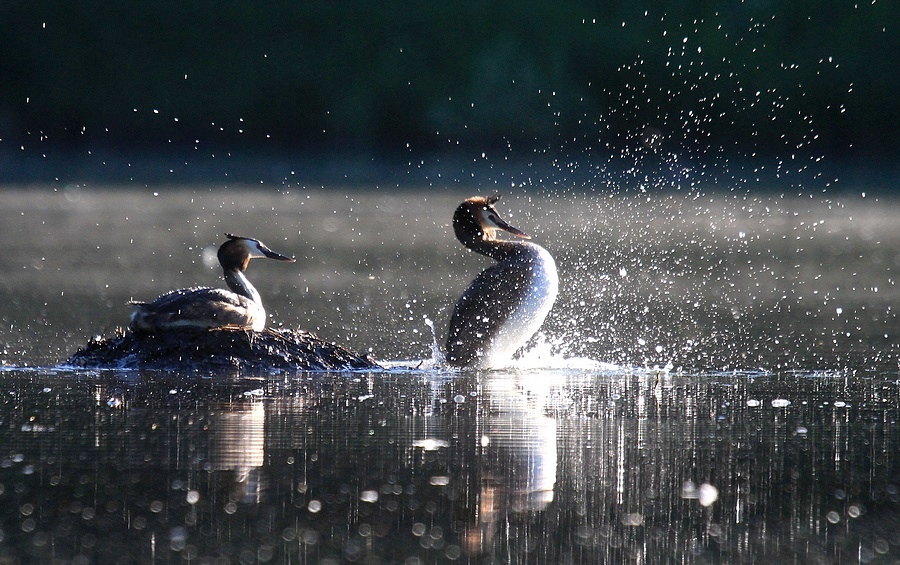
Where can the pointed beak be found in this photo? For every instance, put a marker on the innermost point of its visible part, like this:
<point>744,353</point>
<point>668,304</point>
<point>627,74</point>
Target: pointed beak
<point>271,254</point>
<point>500,223</point>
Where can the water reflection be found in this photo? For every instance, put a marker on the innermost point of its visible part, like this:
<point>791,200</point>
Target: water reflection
<point>516,451</point>
<point>543,467</point>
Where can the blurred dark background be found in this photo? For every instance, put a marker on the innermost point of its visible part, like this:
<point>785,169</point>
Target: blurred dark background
<point>88,87</point>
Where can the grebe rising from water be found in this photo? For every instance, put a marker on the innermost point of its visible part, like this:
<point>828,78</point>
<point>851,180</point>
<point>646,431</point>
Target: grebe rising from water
<point>507,303</point>
<point>240,307</point>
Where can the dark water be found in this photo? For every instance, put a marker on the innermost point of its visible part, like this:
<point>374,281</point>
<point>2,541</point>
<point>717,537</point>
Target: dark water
<point>524,467</point>
<point>718,383</point>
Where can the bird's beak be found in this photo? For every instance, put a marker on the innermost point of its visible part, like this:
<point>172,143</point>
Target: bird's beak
<point>271,254</point>
<point>499,223</point>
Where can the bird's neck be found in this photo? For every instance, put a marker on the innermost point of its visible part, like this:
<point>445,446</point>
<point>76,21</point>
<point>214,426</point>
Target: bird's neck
<point>498,250</point>
<point>239,284</point>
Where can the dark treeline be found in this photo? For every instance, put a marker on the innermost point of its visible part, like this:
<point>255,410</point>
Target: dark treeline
<point>757,76</point>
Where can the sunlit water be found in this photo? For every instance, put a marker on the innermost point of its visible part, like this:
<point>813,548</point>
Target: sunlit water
<point>718,382</point>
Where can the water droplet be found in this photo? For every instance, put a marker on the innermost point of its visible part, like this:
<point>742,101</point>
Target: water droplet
<point>708,494</point>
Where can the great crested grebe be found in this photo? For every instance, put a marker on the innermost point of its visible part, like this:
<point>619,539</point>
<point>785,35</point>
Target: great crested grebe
<point>240,307</point>
<point>507,303</point>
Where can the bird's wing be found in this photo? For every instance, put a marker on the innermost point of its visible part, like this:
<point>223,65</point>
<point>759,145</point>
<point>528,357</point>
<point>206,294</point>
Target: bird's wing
<point>483,309</point>
<point>213,304</point>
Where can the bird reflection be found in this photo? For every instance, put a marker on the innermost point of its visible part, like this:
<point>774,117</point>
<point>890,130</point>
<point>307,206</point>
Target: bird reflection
<point>237,445</point>
<point>483,467</point>
<point>222,437</point>
<point>515,456</point>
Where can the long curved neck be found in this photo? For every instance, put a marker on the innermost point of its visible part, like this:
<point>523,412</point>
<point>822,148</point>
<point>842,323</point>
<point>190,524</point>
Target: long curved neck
<point>498,250</point>
<point>239,284</point>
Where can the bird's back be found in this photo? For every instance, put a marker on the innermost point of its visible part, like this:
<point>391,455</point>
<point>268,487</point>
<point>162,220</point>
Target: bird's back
<point>196,307</point>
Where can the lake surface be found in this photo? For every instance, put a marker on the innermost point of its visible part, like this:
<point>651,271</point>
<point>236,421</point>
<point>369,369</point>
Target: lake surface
<point>717,383</point>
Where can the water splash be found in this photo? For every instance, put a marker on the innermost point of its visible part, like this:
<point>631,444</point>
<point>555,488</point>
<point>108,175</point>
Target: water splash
<point>437,355</point>
<point>547,353</point>
<point>544,353</point>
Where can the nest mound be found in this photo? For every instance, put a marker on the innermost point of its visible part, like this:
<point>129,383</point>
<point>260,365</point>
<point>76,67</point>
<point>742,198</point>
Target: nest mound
<point>189,349</point>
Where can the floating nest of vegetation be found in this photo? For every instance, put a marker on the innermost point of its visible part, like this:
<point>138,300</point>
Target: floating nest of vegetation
<point>192,349</point>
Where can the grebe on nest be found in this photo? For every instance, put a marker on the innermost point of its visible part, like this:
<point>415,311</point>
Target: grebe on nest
<point>507,303</point>
<point>209,329</point>
<point>241,307</point>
